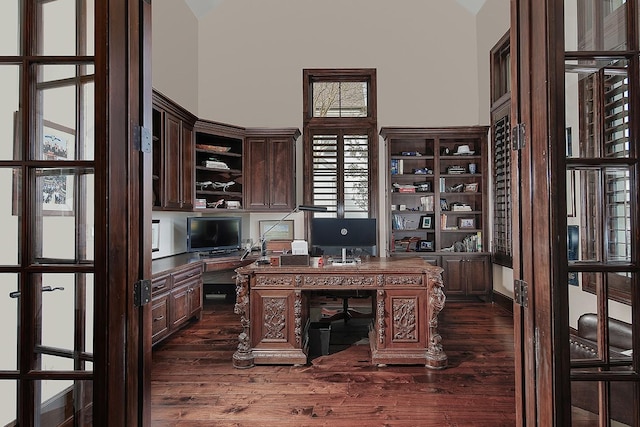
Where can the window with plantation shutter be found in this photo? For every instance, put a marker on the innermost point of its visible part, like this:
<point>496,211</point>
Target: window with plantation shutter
<point>339,150</point>
<point>501,247</point>
<point>501,242</point>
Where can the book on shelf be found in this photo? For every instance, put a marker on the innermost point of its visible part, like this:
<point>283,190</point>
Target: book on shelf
<point>407,190</point>
<point>460,207</point>
<point>397,167</point>
<point>427,203</point>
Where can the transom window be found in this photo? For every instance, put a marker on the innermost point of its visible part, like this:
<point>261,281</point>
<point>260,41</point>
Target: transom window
<point>339,99</point>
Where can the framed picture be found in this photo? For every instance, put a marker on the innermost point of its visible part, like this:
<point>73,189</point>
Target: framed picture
<point>471,187</point>
<point>443,205</point>
<point>426,221</point>
<point>424,246</point>
<point>155,235</point>
<point>277,230</point>
<point>466,223</point>
<point>56,184</point>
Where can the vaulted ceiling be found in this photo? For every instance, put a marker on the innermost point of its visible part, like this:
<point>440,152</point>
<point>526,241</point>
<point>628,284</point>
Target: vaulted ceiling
<point>201,7</point>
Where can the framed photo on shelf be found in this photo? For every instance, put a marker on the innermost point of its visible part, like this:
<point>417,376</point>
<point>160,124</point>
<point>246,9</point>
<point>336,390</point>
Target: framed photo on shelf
<point>426,221</point>
<point>443,205</point>
<point>471,187</point>
<point>466,223</point>
<point>425,246</point>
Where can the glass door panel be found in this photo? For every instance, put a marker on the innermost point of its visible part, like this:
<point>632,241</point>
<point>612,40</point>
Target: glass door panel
<point>595,25</point>
<point>66,120</point>
<point>9,119</point>
<point>62,401</point>
<point>9,302</point>
<point>65,26</point>
<point>9,24</point>
<point>10,179</point>
<point>8,403</point>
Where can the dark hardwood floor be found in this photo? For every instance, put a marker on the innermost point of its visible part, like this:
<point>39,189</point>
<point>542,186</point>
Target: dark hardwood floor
<point>194,383</point>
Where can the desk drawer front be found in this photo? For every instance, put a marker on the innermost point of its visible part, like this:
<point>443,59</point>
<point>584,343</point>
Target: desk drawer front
<point>181,276</point>
<point>404,280</point>
<point>276,281</point>
<point>340,280</point>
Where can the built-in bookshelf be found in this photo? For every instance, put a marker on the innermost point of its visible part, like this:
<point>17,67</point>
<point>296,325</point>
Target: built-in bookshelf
<point>437,192</point>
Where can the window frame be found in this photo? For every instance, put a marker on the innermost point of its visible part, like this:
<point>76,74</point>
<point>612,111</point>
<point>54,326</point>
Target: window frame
<point>341,126</point>
<point>500,78</point>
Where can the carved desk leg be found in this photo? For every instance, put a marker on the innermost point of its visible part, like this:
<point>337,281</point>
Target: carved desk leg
<point>243,357</point>
<point>436,357</point>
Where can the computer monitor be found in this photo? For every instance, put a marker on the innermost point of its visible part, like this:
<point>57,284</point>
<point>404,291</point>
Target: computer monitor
<point>357,235</point>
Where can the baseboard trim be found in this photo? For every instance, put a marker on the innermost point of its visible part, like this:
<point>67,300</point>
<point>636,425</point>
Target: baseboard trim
<point>503,301</point>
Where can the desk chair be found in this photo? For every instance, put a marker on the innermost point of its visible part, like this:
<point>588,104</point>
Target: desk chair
<point>347,312</point>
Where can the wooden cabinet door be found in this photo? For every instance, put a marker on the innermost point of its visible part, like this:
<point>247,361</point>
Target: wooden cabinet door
<point>271,161</point>
<point>276,329</point>
<point>172,161</point>
<point>160,317</point>
<point>180,311</point>
<point>195,299</point>
<point>453,276</point>
<point>187,177</point>
<point>408,317</point>
<point>476,270</point>
<point>257,182</point>
<point>466,274</point>
<point>281,178</point>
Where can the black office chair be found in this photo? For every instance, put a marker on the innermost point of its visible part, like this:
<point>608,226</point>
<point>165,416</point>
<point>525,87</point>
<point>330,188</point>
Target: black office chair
<point>347,312</point>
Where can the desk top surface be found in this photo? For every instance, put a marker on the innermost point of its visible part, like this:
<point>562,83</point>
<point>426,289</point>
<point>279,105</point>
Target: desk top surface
<point>415,265</point>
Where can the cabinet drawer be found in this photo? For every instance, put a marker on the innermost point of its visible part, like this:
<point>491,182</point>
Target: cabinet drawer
<point>160,318</point>
<point>189,273</point>
<point>160,284</point>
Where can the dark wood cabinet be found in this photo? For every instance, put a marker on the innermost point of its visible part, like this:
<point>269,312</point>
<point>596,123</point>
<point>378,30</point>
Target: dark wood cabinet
<point>270,155</point>
<point>173,164</point>
<point>176,298</point>
<point>467,275</point>
<point>438,183</point>
<point>206,166</point>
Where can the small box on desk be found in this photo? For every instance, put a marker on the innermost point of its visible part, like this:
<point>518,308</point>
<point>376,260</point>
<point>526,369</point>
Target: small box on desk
<point>281,246</point>
<point>294,260</point>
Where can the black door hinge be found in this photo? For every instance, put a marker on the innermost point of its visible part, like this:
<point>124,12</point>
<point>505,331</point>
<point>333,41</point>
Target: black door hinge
<point>142,139</point>
<point>521,292</point>
<point>142,293</point>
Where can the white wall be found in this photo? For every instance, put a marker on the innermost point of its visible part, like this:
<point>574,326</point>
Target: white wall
<point>252,55</point>
<point>431,60</point>
<point>493,22</point>
<point>175,52</point>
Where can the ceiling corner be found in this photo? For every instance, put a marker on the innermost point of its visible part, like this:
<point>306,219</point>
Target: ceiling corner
<point>201,7</point>
<point>472,6</point>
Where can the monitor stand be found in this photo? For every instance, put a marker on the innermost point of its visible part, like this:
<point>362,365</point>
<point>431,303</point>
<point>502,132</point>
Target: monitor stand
<point>345,260</point>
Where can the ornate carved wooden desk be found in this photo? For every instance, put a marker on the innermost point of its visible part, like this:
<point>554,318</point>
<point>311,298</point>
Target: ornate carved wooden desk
<point>272,302</point>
